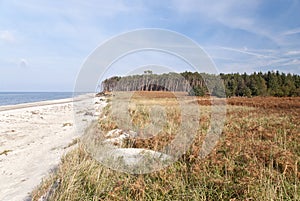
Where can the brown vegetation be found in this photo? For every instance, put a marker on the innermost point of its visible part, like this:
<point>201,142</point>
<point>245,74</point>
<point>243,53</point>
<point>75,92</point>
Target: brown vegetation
<point>257,157</point>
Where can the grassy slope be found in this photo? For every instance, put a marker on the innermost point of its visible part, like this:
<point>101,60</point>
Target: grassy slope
<point>257,158</point>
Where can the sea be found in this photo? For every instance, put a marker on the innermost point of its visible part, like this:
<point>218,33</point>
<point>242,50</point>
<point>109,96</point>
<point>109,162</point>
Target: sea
<point>13,98</point>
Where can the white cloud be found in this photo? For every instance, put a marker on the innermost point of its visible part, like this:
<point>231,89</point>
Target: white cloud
<point>23,63</point>
<point>235,14</point>
<point>7,36</point>
<point>79,10</point>
<point>292,31</point>
<point>245,51</point>
<point>232,13</point>
<point>231,59</point>
<point>292,53</point>
<point>290,62</point>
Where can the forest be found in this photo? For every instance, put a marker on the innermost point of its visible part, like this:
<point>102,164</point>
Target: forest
<point>271,83</point>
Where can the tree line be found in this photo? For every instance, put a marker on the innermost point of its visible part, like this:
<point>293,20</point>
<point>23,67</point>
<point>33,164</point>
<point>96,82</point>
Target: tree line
<point>200,84</point>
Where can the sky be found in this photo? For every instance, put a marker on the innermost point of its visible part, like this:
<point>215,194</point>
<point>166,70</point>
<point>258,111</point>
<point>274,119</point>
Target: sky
<point>43,44</point>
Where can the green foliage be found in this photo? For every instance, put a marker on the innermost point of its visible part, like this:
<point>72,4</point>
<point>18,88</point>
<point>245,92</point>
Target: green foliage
<point>261,84</point>
<point>197,91</point>
<point>148,72</point>
<point>218,91</point>
<point>198,84</point>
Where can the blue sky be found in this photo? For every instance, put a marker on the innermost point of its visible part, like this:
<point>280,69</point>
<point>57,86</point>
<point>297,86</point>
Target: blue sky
<point>43,44</point>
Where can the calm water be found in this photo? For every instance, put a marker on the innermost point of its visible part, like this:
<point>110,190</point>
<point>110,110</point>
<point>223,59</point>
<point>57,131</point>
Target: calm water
<point>12,98</point>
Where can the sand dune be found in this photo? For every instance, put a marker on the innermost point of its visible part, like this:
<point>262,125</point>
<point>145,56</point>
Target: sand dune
<point>33,137</point>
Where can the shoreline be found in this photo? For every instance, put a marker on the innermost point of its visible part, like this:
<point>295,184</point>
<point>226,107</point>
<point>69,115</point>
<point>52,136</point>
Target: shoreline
<point>35,104</point>
<point>33,138</point>
<point>44,103</point>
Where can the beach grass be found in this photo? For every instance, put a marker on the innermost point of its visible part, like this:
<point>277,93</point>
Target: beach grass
<point>256,158</point>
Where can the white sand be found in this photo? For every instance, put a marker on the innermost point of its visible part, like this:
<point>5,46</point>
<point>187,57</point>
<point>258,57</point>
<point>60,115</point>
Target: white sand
<point>35,137</point>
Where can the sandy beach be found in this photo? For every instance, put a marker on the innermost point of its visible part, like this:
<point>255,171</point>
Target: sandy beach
<point>33,137</point>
